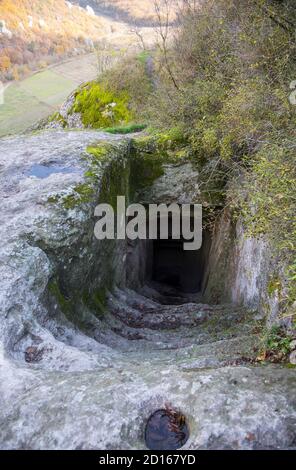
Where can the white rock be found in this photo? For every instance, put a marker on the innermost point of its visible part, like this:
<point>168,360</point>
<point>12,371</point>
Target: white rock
<point>292,358</point>
<point>89,43</point>
<point>80,379</point>
<point>90,11</point>
<point>4,30</point>
<point>41,23</point>
<point>293,345</point>
<point>31,21</point>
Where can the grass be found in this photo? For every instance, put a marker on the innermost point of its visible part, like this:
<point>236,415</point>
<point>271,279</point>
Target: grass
<point>36,97</point>
<point>20,110</point>
<point>47,85</point>
<point>16,102</point>
<point>143,56</point>
<point>126,129</point>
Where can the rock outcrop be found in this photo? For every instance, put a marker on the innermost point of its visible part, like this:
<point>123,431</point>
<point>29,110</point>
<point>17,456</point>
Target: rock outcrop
<point>87,354</point>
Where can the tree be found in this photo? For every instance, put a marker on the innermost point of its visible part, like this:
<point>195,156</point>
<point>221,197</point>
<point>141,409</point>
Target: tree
<point>163,10</point>
<point>106,56</point>
<point>5,63</point>
<point>138,32</point>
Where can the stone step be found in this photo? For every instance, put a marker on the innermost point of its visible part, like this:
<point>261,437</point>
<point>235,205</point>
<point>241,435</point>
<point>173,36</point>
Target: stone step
<point>144,324</point>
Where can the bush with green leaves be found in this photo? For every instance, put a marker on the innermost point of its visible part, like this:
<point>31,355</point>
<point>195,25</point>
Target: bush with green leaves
<point>275,344</point>
<point>130,76</point>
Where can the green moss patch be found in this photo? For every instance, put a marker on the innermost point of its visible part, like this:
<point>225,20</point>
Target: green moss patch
<point>54,289</point>
<point>98,153</point>
<point>96,301</point>
<point>102,108</point>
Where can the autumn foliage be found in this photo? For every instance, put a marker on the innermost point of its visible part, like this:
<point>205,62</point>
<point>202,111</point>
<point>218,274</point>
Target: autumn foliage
<point>41,32</point>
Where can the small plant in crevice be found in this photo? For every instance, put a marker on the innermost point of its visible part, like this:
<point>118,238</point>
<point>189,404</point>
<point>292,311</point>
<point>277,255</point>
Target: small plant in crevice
<point>275,345</point>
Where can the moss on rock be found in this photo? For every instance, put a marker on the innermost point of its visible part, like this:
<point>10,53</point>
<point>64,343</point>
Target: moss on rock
<point>100,108</point>
<point>58,118</point>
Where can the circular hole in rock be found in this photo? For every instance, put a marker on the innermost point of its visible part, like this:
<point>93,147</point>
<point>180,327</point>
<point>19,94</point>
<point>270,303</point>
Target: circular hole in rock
<point>166,429</point>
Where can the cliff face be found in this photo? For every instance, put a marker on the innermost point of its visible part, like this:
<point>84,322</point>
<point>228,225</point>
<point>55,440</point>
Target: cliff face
<point>81,336</point>
<point>246,271</point>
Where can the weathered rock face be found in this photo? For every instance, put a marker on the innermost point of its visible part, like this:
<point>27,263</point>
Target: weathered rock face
<point>238,269</point>
<point>178,184</point>
<point>241,269</point>
<point>84,359</point>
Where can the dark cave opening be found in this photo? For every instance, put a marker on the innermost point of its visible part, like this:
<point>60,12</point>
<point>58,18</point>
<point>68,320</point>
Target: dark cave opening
<point>174,266</point>
<point>165,261</point>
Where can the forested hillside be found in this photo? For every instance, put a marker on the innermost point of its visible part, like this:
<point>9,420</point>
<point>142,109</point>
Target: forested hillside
<point>140,12</point>
<point>34,33</point>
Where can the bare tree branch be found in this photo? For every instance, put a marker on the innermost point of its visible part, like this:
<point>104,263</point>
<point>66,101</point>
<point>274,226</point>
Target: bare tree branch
<point>163,14</point>
<point>138,32</point>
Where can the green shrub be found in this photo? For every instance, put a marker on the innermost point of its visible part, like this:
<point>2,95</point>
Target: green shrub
<point>275,344</point>
<point>131,78</point>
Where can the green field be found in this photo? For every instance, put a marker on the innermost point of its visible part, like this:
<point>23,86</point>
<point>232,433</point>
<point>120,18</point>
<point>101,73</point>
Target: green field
<point>34,98</point>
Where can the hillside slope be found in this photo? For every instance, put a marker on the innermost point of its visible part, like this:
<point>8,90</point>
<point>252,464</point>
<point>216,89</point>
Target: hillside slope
<point>34,33</point>
<point>131,11</point>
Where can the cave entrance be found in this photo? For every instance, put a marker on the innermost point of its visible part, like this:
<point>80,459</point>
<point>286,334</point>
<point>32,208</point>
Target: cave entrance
<point>166,262</point>
<point>174,266</point>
